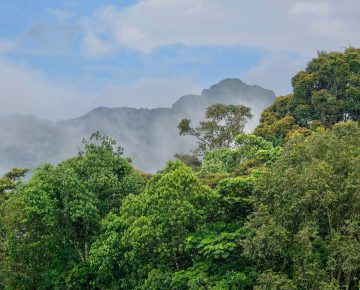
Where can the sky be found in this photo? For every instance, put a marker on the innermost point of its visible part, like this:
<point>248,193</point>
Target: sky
<point>59,59</point>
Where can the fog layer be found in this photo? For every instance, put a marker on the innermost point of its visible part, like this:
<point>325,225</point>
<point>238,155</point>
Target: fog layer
<point>149,136</point>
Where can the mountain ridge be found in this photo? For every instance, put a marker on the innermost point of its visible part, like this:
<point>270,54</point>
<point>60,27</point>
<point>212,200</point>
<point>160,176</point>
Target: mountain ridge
<point>149,136</point>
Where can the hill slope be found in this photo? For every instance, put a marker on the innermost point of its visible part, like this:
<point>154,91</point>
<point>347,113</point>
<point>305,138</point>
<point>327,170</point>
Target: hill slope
<point>149,136</point>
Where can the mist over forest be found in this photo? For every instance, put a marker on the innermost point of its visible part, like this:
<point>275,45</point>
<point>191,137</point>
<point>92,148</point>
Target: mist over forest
<point>180,145</point>
<point>149,136</point>
<point>269,204</point>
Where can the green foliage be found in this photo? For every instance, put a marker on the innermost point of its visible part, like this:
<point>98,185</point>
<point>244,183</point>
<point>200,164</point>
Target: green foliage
<point>217,262</point>
<point>190,160</point>
<point>212,179</point>
<point>277,123</point>
<point>9,180</point>
<point>249,151</point>
<point>329,89</point>
<point>306,223</point>
<point>57,213</point>
<point>151,228</point>
<point>254,215</point>
<point>216,246</point>
<point>326,93</point>
<point>272,281</point>
<point>7,183</point>
<point>236,197</point>
<point>222,124</point>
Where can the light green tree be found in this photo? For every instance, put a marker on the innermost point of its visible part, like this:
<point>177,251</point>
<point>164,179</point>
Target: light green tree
<point>249,151</point>
<point>150,231</point>
<point>53,218</point>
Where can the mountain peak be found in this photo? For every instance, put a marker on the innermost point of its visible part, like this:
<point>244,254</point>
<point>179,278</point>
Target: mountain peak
<point>227,91</point>
<point>233,86</point>
<point>150,136</point>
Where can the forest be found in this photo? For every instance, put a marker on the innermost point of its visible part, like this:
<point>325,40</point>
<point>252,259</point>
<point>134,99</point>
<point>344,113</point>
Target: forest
<point>275,209</point>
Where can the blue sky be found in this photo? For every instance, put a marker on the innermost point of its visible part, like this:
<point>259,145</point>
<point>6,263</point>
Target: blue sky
<point>59,59</point>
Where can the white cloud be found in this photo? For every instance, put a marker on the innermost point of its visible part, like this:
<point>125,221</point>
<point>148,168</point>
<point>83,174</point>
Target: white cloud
<point>43,39</point>
<point>300,27</point>
<point>6,46</point>
<point>286,28</point>
<point>275,72</point>
<point>311,8</point>
<point>96,46</point>
<point>27,91</point>
<point>60,14</point>
<point>147,93</point>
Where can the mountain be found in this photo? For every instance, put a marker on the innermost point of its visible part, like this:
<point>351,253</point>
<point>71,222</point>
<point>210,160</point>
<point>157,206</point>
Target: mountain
<point>149,136</point>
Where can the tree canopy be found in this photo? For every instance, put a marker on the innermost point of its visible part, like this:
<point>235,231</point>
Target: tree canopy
<point>306,222</point>
<point>52,219</point>
<point>221,125</point>
<point>327,92</point>
<point>276,209</point>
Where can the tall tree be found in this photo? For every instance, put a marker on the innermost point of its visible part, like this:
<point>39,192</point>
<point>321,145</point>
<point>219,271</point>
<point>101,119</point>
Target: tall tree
<point>329,89</point>
<point>327,92</point>
<point>222,123</point>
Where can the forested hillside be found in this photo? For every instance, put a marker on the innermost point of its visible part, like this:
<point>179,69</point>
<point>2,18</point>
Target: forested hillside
<point>149,136</point>
<point>278,208</point>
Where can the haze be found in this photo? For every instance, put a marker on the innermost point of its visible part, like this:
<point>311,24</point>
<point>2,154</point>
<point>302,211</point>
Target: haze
<point>60,59</point>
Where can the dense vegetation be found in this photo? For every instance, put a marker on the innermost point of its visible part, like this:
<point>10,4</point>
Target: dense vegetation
<point>276,209</point>
<point>325,93</point>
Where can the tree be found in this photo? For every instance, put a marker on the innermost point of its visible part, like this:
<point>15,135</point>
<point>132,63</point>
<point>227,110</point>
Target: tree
<point>277,123</point>
<point>306,222</point>
<point>9,180</point>
<point>329,89</point>
<point>57,215</point>
<point>248,152</point>
<point>273,217</point>
<point>190,160</point>
<point>327,92</point>
<point>215,247</point>
<point>144,244</point>
<point>7,184</point>
<point>222,123</point>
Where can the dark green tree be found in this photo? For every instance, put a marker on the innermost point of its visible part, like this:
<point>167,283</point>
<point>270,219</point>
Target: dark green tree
<point>274,217</point>
<point>327,92</point>
<point>329,89</point>
<point>9,180</point>
<point>277,123</point>
<point>190,160</point>
<point>307,219</point>
<point>7,184</point>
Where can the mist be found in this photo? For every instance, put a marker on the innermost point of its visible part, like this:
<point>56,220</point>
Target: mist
<point>149,136</point>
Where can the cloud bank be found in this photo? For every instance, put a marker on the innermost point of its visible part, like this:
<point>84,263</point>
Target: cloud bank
<point>294,26</point>
<point>25,91</point>
<point>288,34</point>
